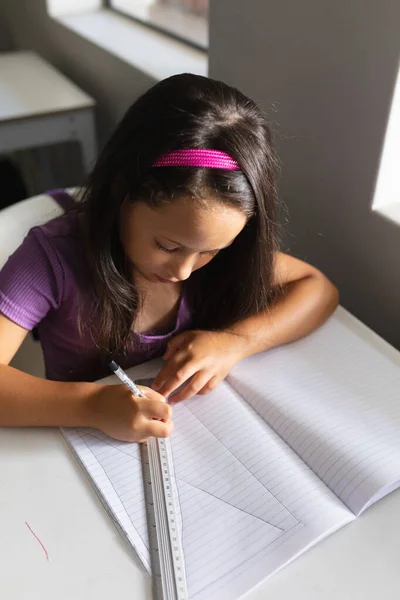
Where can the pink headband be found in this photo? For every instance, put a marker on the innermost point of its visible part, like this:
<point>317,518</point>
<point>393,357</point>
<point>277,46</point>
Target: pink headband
<point>197,157</point>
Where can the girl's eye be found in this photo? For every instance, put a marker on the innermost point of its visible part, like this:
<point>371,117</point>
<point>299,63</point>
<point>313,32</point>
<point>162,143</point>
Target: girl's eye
<point>169,250</point>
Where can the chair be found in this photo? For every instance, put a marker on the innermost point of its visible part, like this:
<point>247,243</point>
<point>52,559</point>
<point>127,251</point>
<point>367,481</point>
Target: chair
<point>15,222</point>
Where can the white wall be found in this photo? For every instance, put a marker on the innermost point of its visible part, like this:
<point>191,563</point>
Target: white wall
<point>329,69</point>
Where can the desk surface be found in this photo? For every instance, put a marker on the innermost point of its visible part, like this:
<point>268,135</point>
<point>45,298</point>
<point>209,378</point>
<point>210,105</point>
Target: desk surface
<point>42,485</point>
<point>29,87</point>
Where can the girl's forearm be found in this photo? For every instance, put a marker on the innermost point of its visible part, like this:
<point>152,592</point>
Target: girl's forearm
<point>302,307</point>
<point>30,401</point>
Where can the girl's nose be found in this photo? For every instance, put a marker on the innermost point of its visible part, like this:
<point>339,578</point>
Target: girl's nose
<point>183,268</point>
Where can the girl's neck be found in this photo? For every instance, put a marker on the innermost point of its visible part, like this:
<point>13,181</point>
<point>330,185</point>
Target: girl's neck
<point>158,306</point>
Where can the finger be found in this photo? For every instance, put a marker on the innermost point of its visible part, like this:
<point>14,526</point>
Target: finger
<point>151,394</point>
<point>144,389</point>
<point>173,345</point>
<point>157,429</point>
<point>154,409</point>
<point>175,365</point>
<point>179,377</point>
<point>210,386</point>
<point>197,383</point>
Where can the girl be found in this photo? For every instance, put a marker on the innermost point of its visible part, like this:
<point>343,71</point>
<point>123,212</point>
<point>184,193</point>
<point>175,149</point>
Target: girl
<point>171,252</point>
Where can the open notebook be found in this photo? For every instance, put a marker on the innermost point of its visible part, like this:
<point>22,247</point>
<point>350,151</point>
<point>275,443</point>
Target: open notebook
<point>295,444</point>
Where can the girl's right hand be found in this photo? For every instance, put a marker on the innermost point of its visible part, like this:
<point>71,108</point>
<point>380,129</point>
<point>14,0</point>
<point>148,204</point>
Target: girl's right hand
<point>123,416</point>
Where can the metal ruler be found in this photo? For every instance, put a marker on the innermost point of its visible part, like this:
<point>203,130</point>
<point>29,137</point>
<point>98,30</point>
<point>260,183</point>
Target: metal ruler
<point>166,553</point>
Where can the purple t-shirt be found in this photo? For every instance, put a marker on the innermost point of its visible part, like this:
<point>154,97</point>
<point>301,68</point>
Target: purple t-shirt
<point>45,283</point>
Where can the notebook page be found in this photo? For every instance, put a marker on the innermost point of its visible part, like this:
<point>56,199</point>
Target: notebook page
<point>336,402</point>
<point>115,472</point>
<point>248,504</point>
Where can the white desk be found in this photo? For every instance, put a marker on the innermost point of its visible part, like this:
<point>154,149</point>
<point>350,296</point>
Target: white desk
<point>39,106</point>
<point>41,483</point>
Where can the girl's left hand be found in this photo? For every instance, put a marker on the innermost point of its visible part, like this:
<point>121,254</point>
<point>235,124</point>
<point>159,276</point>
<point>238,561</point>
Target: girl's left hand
<point>205,356</point>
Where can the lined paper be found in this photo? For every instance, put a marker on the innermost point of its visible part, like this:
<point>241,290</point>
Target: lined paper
<point>115,472</point>
<point>248,503</point>
<point>336,402</point>
<point>259,495</point>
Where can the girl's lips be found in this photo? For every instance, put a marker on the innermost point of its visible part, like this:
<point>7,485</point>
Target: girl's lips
<point>162,280</point>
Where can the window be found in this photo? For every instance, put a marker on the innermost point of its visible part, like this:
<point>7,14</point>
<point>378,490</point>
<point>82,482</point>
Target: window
<point>159,55</point>
<point>183,19</point>
<point>59,8</point>
<point>387,191</point>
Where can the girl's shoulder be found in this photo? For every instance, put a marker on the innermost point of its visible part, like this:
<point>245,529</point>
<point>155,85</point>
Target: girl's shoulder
<point>63,226</point>
<point>60,237</point>
<point>47,269</point>
<point>60,241</point>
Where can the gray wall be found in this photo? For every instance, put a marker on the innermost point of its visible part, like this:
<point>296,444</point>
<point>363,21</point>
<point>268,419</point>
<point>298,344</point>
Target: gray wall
<point>329,69</point>
<point>325,72</point>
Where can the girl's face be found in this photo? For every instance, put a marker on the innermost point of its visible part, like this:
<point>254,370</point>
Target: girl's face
<point>166,244</point>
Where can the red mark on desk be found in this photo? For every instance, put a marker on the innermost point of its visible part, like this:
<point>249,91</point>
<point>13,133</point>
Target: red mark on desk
<point>34,534</point>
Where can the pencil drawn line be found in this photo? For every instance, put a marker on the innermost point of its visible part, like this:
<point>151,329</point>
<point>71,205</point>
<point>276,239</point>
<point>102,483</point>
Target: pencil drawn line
<point>241,462</point>
<point>246,512</point>
<point>34,534</point>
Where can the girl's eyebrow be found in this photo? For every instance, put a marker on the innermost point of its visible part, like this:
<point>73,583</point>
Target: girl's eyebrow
<point>216,249</point>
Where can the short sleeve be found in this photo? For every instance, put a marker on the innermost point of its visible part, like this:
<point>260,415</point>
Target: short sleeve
<point>31,281</point>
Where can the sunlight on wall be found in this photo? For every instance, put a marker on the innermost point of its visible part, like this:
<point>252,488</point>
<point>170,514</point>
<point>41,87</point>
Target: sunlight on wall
<point>387,191</point>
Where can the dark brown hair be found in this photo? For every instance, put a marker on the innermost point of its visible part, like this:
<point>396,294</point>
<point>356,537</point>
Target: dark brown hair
<point>184,111</point>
